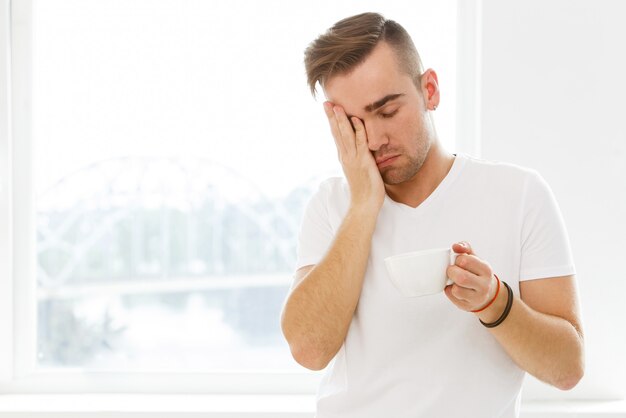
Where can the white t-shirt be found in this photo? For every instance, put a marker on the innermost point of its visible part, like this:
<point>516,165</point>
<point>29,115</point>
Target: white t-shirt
<point>422,356</point>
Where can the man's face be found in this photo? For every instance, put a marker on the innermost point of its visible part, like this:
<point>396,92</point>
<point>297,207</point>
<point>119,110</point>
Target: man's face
<point>399,133</point>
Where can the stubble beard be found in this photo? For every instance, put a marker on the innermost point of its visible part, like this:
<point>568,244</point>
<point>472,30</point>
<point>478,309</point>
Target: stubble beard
<point>396,175</point>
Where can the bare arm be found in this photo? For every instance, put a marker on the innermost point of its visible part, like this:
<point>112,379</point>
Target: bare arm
<point>319,309</point>
<point>543,332</point>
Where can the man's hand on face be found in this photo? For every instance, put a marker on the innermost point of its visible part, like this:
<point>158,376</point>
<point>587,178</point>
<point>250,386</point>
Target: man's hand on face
<point>366,185</point>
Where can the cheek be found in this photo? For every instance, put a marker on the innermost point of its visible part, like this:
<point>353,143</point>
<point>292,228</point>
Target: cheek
<point>404,128</point>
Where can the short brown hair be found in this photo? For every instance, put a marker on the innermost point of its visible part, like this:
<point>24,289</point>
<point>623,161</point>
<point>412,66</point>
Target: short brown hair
<point>348,42</point>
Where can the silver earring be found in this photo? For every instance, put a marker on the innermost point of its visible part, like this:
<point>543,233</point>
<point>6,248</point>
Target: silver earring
<point>434,107</point>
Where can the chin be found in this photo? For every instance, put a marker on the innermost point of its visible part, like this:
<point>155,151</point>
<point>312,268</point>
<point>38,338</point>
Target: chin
<point>395,176</point>
<point>392,179</point>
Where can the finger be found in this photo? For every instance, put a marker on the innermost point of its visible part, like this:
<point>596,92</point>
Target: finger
<point>461,304</point>
<point>461,294</point>
<point>360,134</point>
<point>464,278</point>
<point>462,247</point>
<point>473,264</point>
<point>345,128</point>
<point>332,120</point>
<point>448,291</point>
<point>334,129</point>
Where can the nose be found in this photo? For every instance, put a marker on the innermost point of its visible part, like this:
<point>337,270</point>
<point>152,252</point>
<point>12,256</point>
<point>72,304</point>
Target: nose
<point>376,136</point>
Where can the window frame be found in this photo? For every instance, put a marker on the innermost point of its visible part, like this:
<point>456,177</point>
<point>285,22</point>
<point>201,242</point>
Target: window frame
<point>17,232</point>
<point>6,181</point>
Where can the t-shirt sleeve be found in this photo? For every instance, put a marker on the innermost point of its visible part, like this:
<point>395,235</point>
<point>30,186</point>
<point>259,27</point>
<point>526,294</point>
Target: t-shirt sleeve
<point>545,244</point>
<point>316,233</point>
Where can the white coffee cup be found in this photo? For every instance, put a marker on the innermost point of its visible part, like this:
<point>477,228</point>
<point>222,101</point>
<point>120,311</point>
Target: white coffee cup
<point>421,273</point>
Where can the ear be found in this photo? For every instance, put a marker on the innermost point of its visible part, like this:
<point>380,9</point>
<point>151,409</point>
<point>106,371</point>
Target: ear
<point>430,89</point>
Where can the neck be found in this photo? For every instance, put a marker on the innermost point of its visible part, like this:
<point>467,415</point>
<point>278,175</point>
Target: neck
<point>417,189</point>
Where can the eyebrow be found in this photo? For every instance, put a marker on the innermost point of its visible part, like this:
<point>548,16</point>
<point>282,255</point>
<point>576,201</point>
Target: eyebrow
<point>380,103</point>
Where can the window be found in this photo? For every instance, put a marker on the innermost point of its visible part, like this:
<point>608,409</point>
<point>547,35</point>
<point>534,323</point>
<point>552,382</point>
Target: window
<point>162,159</point>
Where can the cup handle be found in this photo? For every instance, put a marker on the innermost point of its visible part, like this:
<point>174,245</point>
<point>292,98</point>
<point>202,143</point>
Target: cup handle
<point>453,257</point>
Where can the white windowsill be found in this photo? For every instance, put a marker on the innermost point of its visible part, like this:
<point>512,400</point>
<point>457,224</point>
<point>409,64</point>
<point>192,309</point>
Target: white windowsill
<point>237,406</point>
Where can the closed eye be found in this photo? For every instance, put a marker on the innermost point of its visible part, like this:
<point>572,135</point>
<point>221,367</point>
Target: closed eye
<point>388,115</point>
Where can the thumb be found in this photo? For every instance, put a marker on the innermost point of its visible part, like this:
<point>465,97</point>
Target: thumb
<point>462,247</point>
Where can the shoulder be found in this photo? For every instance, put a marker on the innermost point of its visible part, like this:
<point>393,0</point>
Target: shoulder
<point>500,174</point>
<point>330,196</point>
<point>495,167</point>
<point>332,189</point>
<point>329,203</point>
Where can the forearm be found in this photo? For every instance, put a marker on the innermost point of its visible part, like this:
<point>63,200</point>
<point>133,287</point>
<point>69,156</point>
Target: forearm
<point>546,346</point>
<point>318,312</point>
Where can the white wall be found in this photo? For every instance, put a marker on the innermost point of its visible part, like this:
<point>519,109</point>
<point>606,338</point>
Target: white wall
<point>554,99</point>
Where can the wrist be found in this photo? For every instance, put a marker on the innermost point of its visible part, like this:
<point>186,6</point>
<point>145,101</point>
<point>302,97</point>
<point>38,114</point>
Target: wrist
<point>493,298</point>
<point>363,216</point>
<point>495,310</point>
<point>364,209</point>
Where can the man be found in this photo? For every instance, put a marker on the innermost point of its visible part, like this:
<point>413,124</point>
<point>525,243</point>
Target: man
<point>459,353</point>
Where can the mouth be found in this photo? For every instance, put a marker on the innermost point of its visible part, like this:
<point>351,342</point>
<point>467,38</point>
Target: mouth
<point>385,161</point>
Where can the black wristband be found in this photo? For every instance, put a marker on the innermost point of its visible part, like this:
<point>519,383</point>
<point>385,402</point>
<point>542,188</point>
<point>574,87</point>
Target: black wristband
<point>509,304</point>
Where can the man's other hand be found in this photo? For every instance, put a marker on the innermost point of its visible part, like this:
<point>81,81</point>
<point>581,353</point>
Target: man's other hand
<point>474,282</point>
